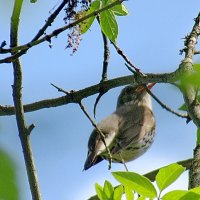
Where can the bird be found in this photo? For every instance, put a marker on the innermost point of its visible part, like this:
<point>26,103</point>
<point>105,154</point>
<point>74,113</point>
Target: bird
<point>129,131</point>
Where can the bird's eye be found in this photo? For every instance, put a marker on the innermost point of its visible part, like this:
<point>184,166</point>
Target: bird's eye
<point>129,89</point>
<point>139,89</point>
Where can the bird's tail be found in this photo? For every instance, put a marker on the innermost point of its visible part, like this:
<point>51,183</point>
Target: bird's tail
<point>92,159</point>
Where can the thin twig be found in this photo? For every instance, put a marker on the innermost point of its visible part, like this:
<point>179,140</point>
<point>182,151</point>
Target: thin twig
<point>123,162</point>
<point>121,53</point>
<point>196,52</point>
<point>130,69</point>
<point>50,20</point>
<point>164,105</point>
<point>103,90</point>
<point>61,90</point>
<point>106,55</point>
<point>100,133</point>
<point>102,136</point>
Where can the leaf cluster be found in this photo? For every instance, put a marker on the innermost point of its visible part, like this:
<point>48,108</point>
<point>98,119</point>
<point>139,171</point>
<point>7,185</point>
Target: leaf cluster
<point>107,18</point>
<point>135,186</point>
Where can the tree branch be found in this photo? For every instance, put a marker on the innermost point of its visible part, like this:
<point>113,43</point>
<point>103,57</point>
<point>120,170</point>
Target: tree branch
<point>48,23</point>
<point>102,136</point>
<point>89,91</point>
<point>186,66</point>
<point>121,53</point>
<point>104,77</point>
<point>165,106</point>
<point>189,94</point>
<point>24,48</point>
<point>24,130</point>
<point>50,20</point>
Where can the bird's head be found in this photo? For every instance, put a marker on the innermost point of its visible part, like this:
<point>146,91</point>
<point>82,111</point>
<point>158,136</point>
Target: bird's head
<point>134,95</point>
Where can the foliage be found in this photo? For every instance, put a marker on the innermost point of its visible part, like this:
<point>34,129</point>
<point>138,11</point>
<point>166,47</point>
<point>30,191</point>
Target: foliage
<point>8,183</point>
<point>133,183</point>
<point>107,18</point>
<point>108,192</point>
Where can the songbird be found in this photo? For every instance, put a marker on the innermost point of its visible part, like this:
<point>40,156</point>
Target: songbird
<point>129,131</point>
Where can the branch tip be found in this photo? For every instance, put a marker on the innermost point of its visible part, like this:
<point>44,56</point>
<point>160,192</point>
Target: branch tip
<point>30,128</point>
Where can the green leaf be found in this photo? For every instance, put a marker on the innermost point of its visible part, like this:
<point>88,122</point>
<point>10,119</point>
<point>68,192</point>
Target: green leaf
<point>95,5</point>
<point>118,192</point>
<point>120,10</point>
<point>190,196</point>
<point>174,195</point>
<point>8,182</point>
<point>129,193</point>
<point>195,190</point>
<point>196,67</point>
<point>141,198</point>
<point>181,195</point>
<point>109,25</point>
<point>137,182</point>
<point>183,107</point>
<point>33,1</point>
<point>167,175</point>
<point>86,24</point>
<point>193,78</point>
<point>100,193</point>
<point>108,189</point>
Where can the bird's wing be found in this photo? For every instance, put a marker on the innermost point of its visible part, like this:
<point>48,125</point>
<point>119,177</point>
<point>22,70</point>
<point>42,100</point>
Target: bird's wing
<point>109,127</point>
<point>133,126</point>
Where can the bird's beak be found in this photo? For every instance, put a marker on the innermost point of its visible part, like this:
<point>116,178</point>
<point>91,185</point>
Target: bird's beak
<point>150,85</point>
<point>141,88</point>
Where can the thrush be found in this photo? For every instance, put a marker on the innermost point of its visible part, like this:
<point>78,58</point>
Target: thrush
<point>129,131</point>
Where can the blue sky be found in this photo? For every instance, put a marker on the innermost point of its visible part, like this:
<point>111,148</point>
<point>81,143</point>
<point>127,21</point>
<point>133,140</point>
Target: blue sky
<point>151,37</point>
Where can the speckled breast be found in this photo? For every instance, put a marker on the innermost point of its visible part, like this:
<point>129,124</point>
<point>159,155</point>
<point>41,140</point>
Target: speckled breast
<point>134,150</point>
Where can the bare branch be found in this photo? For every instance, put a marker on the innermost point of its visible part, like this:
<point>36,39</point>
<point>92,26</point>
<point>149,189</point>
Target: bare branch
<point>106,55</point>
<point>103,90</point>
<point>186,66</point>
<point>23,129</point>
<point>100,133</point>
<point>189,94</point>
<point>89,91</point>
<point>92,122</point>
<point>121,53</point>
<point>50,20</point>
<point>165,106</point>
